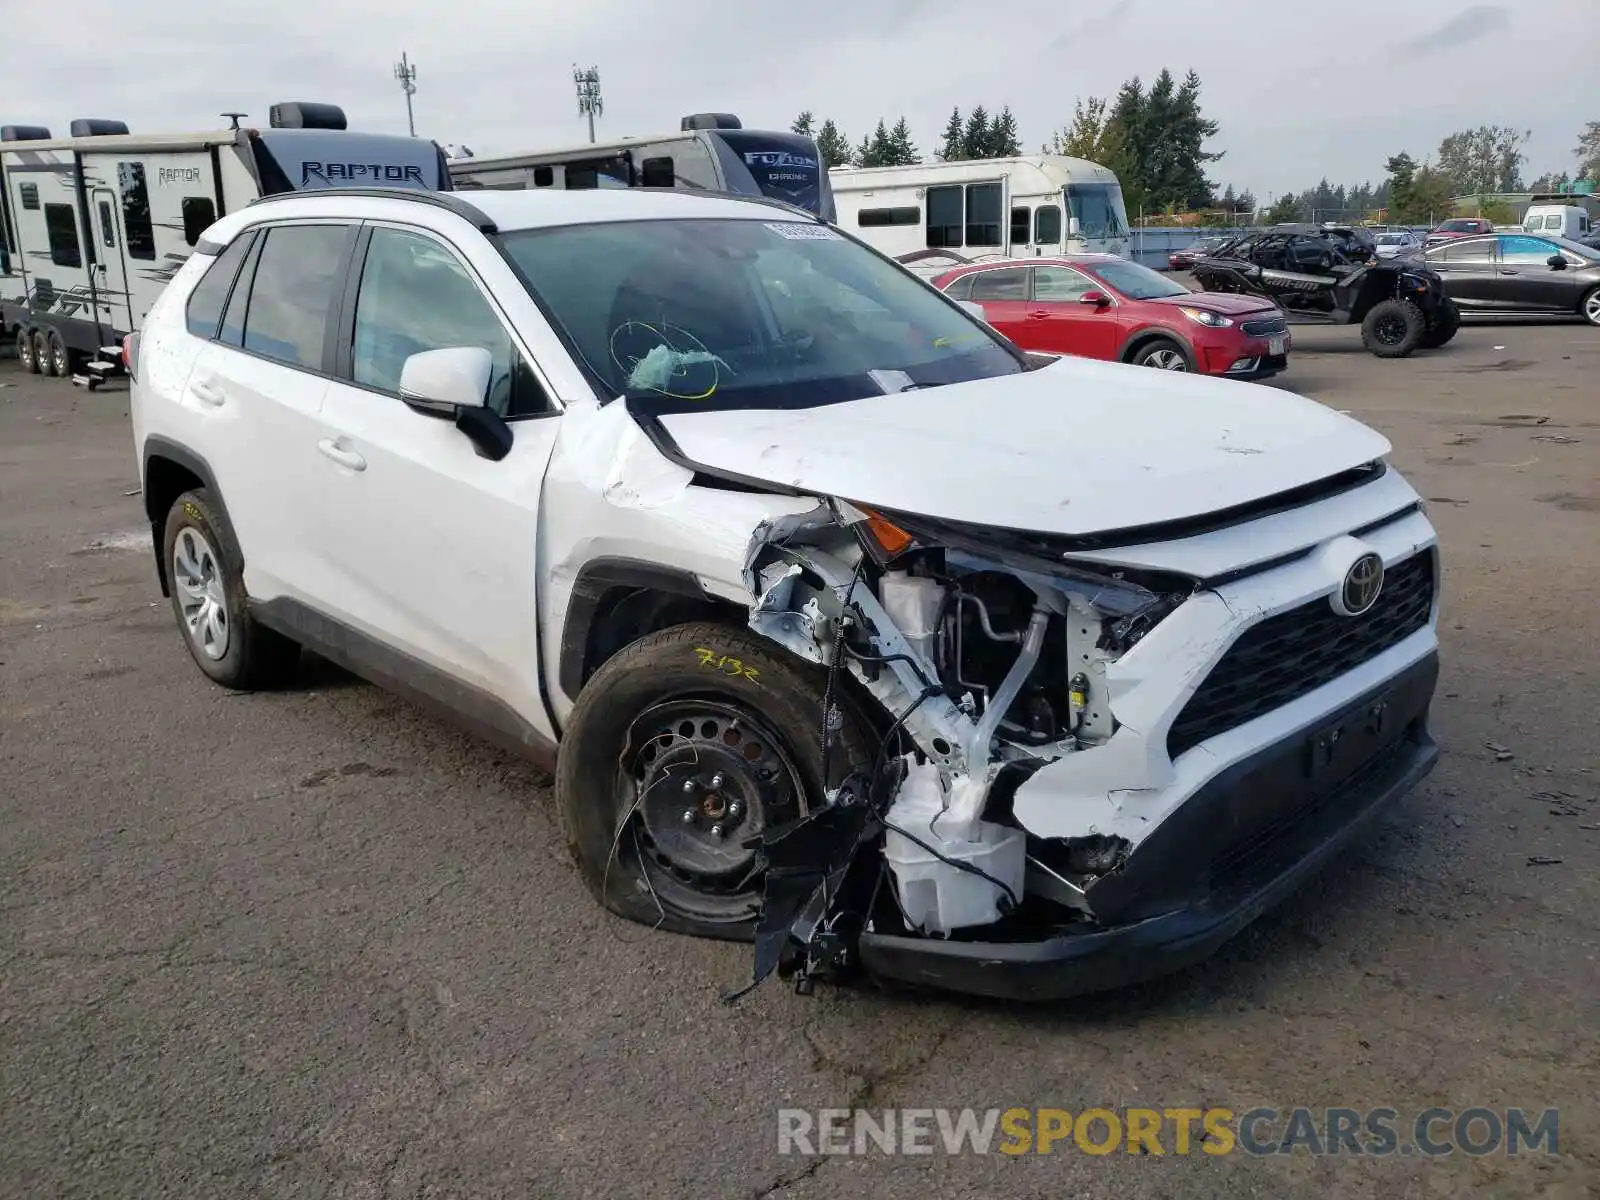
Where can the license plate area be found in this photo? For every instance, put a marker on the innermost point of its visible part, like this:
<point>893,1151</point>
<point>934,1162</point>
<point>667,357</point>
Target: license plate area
<point>1277,345</point>
<point>1335,750</point>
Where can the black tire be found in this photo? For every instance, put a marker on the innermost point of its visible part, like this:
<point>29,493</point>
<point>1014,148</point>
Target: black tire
<point>1444,327</point>
<point>1589,306</point>
<point>60,356</point>
<point>1164,351</point>
<point>1393,328</point>
<point>27,354</point>
<point>731,707</point>
<point>252,656</point>
<point>41,352</point>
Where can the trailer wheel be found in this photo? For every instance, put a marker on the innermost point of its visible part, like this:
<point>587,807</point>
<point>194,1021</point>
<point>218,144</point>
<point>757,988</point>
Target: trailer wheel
<point>60,356</point>
<point>1393,328</point>
<point>27,355</point>
<point>41,353</point>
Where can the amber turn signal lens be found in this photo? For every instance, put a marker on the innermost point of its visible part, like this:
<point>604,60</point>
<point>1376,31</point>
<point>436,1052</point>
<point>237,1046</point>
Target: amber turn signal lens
<point>887,534</point>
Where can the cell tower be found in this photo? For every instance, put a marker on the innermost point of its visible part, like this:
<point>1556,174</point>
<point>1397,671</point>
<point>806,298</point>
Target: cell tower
<point>589,103</point>
<point>406,72</point>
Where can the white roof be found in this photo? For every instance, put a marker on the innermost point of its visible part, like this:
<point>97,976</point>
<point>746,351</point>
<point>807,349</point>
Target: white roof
<point>509,210</point>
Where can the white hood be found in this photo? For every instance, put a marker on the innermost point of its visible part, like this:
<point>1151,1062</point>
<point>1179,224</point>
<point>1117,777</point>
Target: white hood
<point>1079,447</point>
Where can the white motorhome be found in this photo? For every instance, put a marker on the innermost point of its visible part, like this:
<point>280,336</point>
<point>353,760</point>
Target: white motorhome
<point>95,224</point>
<point>982,209</point>
<point>1557,220</point>
<point>710,152</point>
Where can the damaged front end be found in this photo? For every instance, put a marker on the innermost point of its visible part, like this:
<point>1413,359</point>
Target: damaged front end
<point>1022,830</point>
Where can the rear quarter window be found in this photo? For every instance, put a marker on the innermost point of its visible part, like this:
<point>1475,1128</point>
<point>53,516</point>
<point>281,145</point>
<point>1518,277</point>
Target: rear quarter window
<point>204,311</point>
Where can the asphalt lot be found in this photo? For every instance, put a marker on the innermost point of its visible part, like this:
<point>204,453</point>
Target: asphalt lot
<point>314,943</point>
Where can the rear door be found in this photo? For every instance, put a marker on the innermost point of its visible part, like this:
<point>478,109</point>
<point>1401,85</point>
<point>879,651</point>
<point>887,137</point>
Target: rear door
<point>1467,266</point>
<point>258,390</point>
<point>1059,321</point>
<point>1003,293</point>
<point>1528,282</point>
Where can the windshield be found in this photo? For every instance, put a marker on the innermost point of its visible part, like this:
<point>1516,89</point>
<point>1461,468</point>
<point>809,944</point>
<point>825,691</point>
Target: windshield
<point>748,313</point>
<point>1098,209</point>
<point>1458,227</point>
<point>1393,239</point>
<point>1134,281</point>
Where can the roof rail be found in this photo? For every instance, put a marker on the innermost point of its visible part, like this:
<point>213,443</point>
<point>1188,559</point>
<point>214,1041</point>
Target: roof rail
<point>446,200</point>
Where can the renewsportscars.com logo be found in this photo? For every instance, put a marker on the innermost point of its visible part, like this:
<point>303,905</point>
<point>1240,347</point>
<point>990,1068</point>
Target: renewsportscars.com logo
<point>1375,1132</point>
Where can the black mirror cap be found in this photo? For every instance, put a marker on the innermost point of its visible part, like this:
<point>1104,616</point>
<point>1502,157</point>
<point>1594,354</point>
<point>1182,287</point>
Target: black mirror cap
<point>487,430</point>
<point>1558,262</point>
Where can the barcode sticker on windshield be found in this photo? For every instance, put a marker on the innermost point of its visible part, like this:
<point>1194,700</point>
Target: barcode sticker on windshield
<point>795,231</point>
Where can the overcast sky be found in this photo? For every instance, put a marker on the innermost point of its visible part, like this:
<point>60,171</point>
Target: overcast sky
<point>1310,89</point>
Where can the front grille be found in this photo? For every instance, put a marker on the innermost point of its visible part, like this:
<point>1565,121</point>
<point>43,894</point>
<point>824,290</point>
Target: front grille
<point>1264,327</point>
<point>1295,652</point>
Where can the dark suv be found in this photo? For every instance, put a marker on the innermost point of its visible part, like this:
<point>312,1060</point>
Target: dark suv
<point>1333,276</point>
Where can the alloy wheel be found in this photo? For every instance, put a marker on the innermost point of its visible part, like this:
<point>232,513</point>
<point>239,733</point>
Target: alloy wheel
<point>197,574</point>
<point>1165,360</point>
<point>1591,307</point>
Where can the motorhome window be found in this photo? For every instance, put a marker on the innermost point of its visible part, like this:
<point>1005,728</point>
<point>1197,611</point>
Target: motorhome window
<point>874,218</point>
<point>983,214</point>
<point>657,172</point>
<point>108,234</point>
<point>1098,208</point>
<point>199,213</point>
<point>416,297</point>
<point>292,291</point>
<point>945,213</point>
<point>61,227</point>
<point>599,173</point>
<point>1005,283</point>
<point>1047,224</point>
<point>30,196</point>
<point>204,311</point>
<point>1021,226</point>
<point>138,230</point>
<point>544,176</point>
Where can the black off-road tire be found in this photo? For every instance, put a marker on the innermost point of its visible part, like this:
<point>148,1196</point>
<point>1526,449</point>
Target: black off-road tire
<point>1443,329</point>
<point>27,353</point>
<point>254,656</point>
<point>605,815</point>
<point>1393,328</point>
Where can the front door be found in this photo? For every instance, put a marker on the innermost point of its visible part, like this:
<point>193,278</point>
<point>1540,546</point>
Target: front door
<point>1063,324</point>
<point>111,269</point>
<point>1527,280</point>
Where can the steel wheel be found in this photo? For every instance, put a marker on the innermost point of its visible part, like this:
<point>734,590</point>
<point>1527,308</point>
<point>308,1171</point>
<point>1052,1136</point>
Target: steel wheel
<point>1164,358</point>
<point>1591,307</point>
<point>60,359</point>
<point>701,780</point>
<point>202,603</point>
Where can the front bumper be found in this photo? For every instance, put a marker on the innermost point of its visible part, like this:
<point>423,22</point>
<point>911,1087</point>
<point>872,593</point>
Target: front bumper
<point>1236,848</point>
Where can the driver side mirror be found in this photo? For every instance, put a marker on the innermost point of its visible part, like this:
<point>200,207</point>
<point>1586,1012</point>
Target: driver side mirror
<point>1074,227</point>
<point>454,382</point>
<point>1558,262</point>
<point>1094,299</point>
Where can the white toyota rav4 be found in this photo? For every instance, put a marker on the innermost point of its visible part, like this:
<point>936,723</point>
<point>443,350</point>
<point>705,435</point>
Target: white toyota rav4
<point>848,626</point>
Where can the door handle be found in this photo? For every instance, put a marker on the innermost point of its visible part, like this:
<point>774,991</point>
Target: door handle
<point>345,458</point>
<point>1509,271</point>
<point>1038,315</point>
<point>207,393</point>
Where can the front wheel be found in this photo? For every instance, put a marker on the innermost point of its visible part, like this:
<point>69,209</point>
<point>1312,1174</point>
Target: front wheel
<point>1590,308</point>
<point>1163,355</point>
<point>1444,327</point>
<point>683,748</point>
<point>1393,328</point>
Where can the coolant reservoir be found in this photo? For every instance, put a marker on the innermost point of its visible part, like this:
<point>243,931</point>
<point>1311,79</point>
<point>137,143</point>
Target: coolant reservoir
<point>913,605</point>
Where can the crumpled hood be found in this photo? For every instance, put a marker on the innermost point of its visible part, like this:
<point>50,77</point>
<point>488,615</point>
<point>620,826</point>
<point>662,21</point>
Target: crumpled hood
<point>1076,448</point>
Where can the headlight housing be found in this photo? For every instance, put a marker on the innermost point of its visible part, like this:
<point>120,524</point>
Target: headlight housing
<point>1201,316</point>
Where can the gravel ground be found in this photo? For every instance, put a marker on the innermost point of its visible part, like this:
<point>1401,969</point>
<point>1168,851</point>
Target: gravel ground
<point>314,943</point>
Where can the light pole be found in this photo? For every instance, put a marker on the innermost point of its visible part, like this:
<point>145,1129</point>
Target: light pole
<point>589,102</point>
<point>406,73</point>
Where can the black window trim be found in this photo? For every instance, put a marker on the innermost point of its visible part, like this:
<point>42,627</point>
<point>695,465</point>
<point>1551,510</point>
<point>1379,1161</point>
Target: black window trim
<point>344,331</point>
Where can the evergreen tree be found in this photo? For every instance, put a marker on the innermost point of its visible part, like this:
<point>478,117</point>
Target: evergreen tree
<point>833,146</point>
<point>1003,140</point>
<point>902,150</point>
<point>802,125</point>
<point>950,149</point>
<point>975,134</point>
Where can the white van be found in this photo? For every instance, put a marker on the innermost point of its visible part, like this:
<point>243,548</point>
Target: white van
<point>1557,220</point>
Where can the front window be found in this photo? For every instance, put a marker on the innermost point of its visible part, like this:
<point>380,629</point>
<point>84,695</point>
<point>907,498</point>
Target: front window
<point>1098,209</point>
<point>1519,248</point>
<point>1134,281</point>
<point>723,313</point>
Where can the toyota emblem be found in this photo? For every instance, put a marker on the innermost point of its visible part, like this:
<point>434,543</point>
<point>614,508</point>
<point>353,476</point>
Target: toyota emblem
<point>1362,583</point>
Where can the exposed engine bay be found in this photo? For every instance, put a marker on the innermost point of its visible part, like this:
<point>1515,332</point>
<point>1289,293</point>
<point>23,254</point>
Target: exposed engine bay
<point>991,661</point>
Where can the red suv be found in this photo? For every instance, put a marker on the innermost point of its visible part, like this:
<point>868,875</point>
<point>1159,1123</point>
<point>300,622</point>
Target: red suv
<point>1101,306</point>
<point>1458,227</point>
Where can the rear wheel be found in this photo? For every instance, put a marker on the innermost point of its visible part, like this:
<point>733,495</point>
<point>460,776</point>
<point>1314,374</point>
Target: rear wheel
<point>1393,328</point>
<point>27,354</point>
<point>1443,328</point>
<point>41,353</point>
<point>1164,355</point>
<point>1590,308</point>
<point>683,748</point>
<point>60,356</point>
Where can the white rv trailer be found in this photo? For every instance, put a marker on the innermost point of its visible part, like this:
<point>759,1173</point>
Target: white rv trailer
<point>934,215</point>
<point>709,152</point>
<point>94,225</point>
